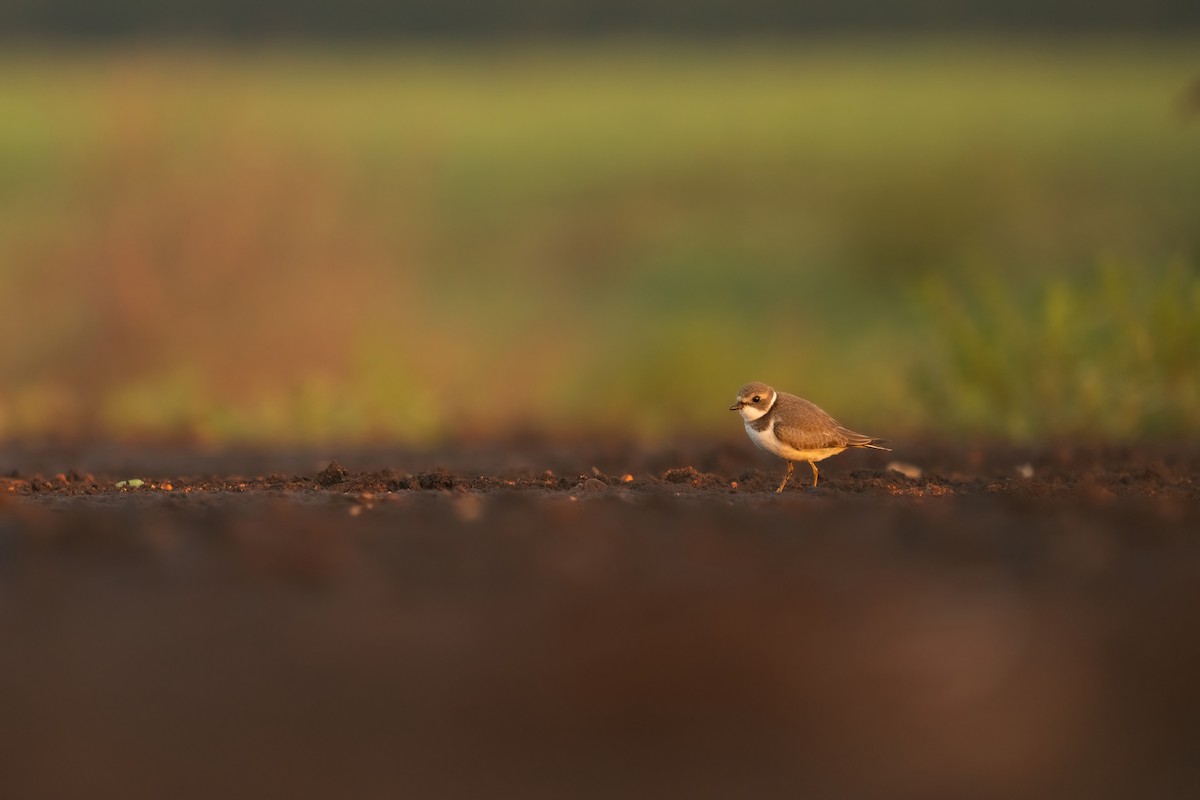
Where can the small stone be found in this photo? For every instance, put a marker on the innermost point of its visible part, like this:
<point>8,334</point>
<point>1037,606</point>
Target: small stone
<point>910,471</point>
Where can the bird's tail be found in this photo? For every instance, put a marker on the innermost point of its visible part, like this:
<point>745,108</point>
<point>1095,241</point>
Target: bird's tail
<point>862,440</point>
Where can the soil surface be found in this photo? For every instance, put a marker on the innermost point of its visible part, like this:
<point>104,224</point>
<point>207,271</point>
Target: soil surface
<point>596,619</point>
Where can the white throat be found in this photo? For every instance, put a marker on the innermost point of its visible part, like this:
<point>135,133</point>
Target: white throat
<point>750,413</point>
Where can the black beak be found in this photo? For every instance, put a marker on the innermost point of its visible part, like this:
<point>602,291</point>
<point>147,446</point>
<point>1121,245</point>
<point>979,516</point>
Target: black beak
<point>737,406</point>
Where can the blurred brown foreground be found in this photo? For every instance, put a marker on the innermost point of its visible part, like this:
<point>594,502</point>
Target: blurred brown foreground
<point>1010,624</point>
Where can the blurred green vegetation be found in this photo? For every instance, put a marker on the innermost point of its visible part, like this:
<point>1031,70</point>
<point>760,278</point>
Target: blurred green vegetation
<point>1112,353</point>
<point>413,243</point>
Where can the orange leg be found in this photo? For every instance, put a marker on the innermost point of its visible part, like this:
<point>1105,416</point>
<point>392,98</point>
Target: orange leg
<point>785,478</point>
<point>813,464</point>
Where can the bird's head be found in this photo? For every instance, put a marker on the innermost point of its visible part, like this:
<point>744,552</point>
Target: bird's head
<point>754,400</point>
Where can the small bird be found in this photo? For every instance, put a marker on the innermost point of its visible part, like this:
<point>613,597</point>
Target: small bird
<point>794,429</point>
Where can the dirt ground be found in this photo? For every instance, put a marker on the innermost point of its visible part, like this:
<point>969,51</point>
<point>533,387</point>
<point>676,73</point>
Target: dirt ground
<point>596,619</point>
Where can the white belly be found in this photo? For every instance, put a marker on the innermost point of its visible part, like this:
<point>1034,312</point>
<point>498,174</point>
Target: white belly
<point>766,440</point>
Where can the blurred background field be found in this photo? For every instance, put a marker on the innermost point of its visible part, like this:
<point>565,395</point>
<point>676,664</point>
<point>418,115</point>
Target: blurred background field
<point>416,242</point>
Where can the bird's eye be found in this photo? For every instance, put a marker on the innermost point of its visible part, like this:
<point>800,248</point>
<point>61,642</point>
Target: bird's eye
<point>756,399</point>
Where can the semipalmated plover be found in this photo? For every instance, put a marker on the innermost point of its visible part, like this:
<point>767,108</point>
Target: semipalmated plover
<point>793,428</point>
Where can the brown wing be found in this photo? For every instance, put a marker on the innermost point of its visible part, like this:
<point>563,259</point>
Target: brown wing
<point>810,428</point>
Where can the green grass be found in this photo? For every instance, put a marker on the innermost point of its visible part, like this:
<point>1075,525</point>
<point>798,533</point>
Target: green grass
<point>419,242</point>
<point>1112,353</point>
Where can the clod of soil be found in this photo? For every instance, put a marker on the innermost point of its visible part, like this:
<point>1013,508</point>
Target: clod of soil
<point>334,473</point>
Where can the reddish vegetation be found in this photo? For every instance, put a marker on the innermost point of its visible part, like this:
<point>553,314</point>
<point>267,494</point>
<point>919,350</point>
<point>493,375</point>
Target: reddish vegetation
<point>519,623</point>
